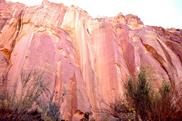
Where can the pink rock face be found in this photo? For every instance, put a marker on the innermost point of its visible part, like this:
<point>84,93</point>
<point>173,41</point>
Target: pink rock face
<point>84,61</point>
<point>2,1</point>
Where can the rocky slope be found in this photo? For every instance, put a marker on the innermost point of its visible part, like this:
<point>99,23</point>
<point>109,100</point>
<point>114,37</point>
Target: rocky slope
<point>84,60</point>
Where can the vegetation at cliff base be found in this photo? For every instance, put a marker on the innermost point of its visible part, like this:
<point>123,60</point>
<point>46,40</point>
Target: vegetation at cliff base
<point>142,103</point>
<point>23,105</point>
<point>150,105</point>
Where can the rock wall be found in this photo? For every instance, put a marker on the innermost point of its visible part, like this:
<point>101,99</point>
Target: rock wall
<point>84,60</point>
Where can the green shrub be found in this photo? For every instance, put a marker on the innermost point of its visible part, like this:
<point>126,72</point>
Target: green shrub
<point>166,106</point>
<point>139,91</point>
<point>153,106</point>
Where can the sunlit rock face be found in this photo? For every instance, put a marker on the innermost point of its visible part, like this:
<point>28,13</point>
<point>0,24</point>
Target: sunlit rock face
<point>85,61</point>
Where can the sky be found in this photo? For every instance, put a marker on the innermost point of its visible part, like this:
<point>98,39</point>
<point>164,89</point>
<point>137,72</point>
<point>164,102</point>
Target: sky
<point>166,13</point>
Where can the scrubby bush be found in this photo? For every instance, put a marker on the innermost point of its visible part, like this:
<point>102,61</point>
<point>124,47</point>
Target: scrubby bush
<point>22,105</point>
<point>51,112</point>
<point>119,110</point>
<point>153,106</point>
<point>16,105</point>
<point>166,106</point>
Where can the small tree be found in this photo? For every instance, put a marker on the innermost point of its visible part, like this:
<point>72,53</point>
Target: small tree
<point>139,91</point>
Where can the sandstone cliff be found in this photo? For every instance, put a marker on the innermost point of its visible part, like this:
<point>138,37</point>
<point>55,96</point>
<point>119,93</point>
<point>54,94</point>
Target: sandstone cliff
<point>85,60</point>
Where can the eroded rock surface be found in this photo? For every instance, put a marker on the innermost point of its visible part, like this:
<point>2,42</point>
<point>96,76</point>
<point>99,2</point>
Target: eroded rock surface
<point>84,60</point>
